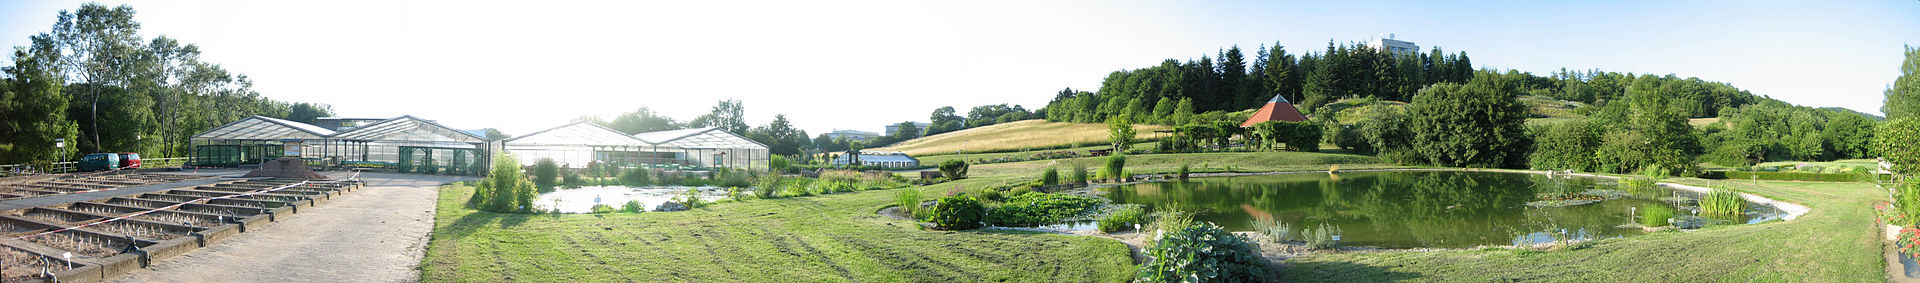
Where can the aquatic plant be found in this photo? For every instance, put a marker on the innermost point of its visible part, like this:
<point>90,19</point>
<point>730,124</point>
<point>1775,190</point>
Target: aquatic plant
<point>1079,174</point>
<point>632,206</point>
<point>1275,230</point>
<point>909,201</point>
<point>1184,171</point>
<point>956,213</point>
<point>1122,219</point>
<point>1039,209</point>
<point>1050,177</point>
<point>1322,237</point>
<point>1723,202</point>
<point>1655,215</point>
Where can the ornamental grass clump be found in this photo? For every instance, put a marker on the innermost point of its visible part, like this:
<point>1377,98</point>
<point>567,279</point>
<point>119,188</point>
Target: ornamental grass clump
<point>1723,202</point>
<point>1079,175</point>
<point>909,201</point>
<point>1276,231</point>
<point>1050,177</point>
<point>1323,237</point>
<point>1655,215</point>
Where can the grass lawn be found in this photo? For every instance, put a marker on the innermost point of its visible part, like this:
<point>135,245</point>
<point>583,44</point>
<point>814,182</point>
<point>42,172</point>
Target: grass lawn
<point>1835,242</point>
<point>1014,136</point>
<point>839,238</point>
<point>970,157</point>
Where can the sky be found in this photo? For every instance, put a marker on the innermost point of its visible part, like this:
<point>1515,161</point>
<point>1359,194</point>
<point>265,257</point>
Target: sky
<point>524,66</point>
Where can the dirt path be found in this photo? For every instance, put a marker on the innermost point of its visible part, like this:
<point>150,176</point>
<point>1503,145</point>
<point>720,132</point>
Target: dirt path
<point>375,234</point>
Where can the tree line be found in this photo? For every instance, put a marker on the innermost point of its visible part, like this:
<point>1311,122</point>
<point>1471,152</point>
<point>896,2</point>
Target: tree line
<point>1172,92</point>
<point>94,82</point>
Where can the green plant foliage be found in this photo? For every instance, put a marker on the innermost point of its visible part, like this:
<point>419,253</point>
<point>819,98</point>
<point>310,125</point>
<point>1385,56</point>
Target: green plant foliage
<point>908,199</point>
<point>505,190</point>
<point>1565,146</point>
<point>1794,176</point>
<point>602,209</point>
<point>1202,253</point>
<point>1120,132</point>
<point>1903,97</point>
<point>633,206</point>
<point>571,179</point>
<point>636,177</point>
<point>1477,124</point>
<point>954,169</point>
<point>956,213</point>
<point>1655,215</point>
<point>1321,238</point>
<point>1184,171</point>
<point>1122,219</point>
<point>777,163</point>
<point>1276,231</point>
<point>986,194</point>
<point>1906,198</point>
<point>1079,174</point>
<point>1896,142</point>
<point>1114,167</point>
<point>1040,209</point>
<point>1016,192</point>
<point>1050,177</point>
<point>1723,202</point>
<point>692,199</point>
<point>1301,136</point>
<point>546,174</point>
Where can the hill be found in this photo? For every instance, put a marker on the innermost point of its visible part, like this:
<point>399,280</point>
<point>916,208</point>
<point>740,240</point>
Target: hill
<point>1019,135</point>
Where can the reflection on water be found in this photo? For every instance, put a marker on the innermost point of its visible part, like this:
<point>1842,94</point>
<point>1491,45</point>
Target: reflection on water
<point>1441,209</point>
<point>581,200</point>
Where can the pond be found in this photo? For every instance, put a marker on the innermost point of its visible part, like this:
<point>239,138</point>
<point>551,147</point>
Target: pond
<point>581,200</point>
<point>1415,209</point>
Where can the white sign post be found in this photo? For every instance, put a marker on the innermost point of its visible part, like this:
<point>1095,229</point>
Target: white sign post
<point>68,256</point>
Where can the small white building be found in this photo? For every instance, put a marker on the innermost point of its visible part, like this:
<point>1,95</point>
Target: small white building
<point>1396,46</point>
<point>884,159</point>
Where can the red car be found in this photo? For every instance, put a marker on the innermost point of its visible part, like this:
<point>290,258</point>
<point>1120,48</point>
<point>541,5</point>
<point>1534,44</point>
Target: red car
<point>129,160</point>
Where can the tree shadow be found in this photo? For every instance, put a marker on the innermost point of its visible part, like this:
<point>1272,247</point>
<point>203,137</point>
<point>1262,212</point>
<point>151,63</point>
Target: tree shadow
<point>479,220</point>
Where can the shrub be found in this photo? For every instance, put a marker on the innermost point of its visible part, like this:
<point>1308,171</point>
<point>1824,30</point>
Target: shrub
<point>1275,230</point>
<point>692,199</point>
<point>1723,202</point>
<point>1321,238</point>
<point>1050,177</point>
<point>986,194</point>
<point>1038,209</point>
<point>1202,253</point>
<point>777,163</point>
<point>1122,219</point>
<point>954,169</point>
<point>1079,174</point>
<point>545,174</point>
<point>1115,166</point>
<point>909,201</point>
<point>632,206</point>
<point>635,177</point>
<point>1016,192</point>
<point>1655,215</point>
<point>571,179</point>
<point>602,209</point>
<point>1184,171</point>
<point>506,189</point>
<point>956,213</point>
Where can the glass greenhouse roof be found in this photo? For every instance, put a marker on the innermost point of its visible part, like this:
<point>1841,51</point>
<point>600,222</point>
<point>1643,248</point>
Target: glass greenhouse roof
<point>710,138</point>
<point>264,128</point>
<point>408,128</point>
<point>578,133</point>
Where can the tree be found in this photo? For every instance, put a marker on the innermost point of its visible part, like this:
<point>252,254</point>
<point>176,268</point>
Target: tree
<point>780,136</point>
<point>1120,132</point>
<point>309,112</point>
<point>99,46</point>
<point>1477,124</point>
<point>906,131</point>
<point>33,108</point>
<point>1895,142</point>
<point>495,134</point>
<point>1903,97</point>
<point>944,120</point>
<point>729,115</point>
<point>642,121</point>
<point>1565,146</point>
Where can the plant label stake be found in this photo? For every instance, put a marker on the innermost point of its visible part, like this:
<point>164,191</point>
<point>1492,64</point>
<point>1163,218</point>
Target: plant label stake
<point>68,257</point>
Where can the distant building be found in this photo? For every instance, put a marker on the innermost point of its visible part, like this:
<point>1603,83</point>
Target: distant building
<point>1395,46</point>
<point>885,159</point>
<point>895,127</point>
<point>852,135</point>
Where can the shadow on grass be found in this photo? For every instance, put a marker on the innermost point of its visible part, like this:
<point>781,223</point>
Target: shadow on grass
<point>1341,272</point>
<point>480,220</point>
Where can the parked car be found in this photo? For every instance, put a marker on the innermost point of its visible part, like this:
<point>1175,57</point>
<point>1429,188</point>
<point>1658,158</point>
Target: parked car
<point>129,160</point>
<point>99,162</point>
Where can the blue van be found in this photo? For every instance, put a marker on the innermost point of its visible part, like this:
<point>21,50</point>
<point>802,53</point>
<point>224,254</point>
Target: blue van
<point>99,162</point>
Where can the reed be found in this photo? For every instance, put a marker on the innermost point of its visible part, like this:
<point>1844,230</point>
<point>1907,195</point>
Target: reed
<point>1723,202</point>
<point>1655,215</point>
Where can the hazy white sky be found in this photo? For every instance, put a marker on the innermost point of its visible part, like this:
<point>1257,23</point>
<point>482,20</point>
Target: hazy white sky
<point>526,66</point>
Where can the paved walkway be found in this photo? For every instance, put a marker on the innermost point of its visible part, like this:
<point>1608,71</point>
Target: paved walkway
<point>375,234</point>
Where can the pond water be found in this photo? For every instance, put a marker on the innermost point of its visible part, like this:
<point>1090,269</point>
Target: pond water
<point>581,200</point>
<point>1409,209</point>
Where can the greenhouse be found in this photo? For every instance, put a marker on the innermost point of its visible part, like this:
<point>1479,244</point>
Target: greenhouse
<point>403,144</point>
<point>579,144</point>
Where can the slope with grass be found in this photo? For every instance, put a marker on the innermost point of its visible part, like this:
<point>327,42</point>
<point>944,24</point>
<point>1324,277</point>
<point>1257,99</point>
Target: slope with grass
<point>1029,134</point>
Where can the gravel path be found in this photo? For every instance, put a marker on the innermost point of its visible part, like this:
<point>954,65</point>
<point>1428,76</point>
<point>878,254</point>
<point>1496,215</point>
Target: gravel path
<point>374,234</point>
